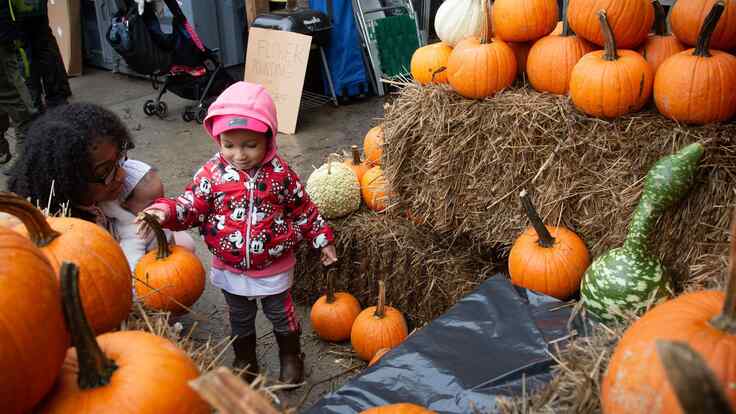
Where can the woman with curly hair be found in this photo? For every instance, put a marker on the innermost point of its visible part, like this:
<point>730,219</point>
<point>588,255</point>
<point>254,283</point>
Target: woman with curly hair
<point>73,157</point>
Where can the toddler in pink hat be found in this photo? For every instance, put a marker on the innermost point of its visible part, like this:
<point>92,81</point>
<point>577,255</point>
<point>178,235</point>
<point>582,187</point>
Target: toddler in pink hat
<point>253,211</point>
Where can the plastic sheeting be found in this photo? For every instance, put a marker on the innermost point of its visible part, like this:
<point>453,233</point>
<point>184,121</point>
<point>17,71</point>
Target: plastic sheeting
<point>482,347</point>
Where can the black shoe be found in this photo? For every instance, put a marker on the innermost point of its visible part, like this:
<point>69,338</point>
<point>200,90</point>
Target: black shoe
<point>245,356</point>
<point>291,358</point>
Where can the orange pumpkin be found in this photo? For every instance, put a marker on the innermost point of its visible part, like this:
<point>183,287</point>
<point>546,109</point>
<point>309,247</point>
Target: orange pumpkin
<point>547,259</point>
<point>630,20</point>
<point>373,145</point>
<point>552,58</point>
<point>660,45</point>
<point>524,20</point>
<point>688,16</point>
<point>33,337</point>
<point>401,408</point>
<point>355,164</point>
<point>521,53</point>
<point>377,327</point>
<point>611,82</point>
<point>478,69</point>
<point>375,189</point>
<point>170,279</point>
<point>697,86</point>
<point>126,372</point>
<point>635,381</point>
<point>377,357</point>
<point>429,63</point>
<point>105,274</point>
<point>333,314</point>
<point>560,25</point>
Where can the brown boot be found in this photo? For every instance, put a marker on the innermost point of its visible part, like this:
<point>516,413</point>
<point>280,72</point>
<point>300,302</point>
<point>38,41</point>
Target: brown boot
<point>245,356</point>
<point>291,357</point>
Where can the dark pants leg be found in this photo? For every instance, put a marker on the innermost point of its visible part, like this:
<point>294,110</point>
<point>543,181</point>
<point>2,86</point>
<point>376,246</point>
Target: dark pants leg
<point>279,309</point>
<point>242,314</point>
<point>15,100</point>
<point>48,74</point>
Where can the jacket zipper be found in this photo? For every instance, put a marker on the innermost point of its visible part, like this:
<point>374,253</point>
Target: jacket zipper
<point>251,184</point>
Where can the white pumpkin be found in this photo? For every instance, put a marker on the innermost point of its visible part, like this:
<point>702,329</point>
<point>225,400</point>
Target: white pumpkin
<point>335,189</point>
<point>457,19</point>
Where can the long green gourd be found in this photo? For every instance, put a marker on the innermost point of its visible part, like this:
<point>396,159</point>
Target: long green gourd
<point>624,279</point>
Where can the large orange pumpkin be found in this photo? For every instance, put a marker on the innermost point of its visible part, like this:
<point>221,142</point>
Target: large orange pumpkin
<point>611,82</point>
<point>660,45</point>
<point>630,20</point>
<point>377,327</point>
<point>355,164</point>
<point>635,381</point>
<point>375,189</point>
<point>478,69</point>
<point>122,372</point>
<point>33,337</point>
<point>429,63</point>
<point>171,278</point>
<point>373,145</point>
<point>521,53</point>
<point>333,314</point>
<point>688,16</point>
<point>106,280</point>
<point>547,259</point>
<point>551,59</point>
<point>400,408</point>
<point>697,86</point>
<point>524,20</point>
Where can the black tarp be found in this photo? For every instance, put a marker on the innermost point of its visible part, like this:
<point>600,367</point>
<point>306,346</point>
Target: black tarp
<point>482,347</point>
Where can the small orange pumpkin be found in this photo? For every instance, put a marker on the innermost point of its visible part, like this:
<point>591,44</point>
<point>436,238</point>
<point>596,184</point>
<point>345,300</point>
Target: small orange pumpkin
<point>377,357</point>
<point>611,82</point>
<point>126,372</point>
<point>478,69</point>
<point>524,20</point>
<point>688,16</point>
<point>429,63</point>
<point>375,189</point>
<point>400,408</point>
<point>697,86</point>
<point>106,280</point>
<point>170,279</point>
<point>630,20</point>
<point>33,336</point>
<point>373,145</point>
<point>355,164</point>
<point>552,59</point>
<point>333,314</point>
<point>377,327</point>
<point>521,53</point>
<point>660,45</point>
<point>547,259</point>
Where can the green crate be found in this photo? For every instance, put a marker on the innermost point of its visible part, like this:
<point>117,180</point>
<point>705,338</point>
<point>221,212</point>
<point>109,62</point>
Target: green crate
<point>396,40</point>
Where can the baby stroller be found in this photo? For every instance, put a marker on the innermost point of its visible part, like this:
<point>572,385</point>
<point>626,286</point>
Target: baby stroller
<point>188,68</point>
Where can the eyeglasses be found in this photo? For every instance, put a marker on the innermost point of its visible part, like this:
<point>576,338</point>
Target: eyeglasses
<point>104,173</point>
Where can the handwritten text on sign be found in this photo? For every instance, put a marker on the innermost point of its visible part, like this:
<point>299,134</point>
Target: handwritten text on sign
<point>278,61</point>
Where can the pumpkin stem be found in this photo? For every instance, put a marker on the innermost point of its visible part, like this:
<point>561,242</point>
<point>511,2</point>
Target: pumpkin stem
<point>696,387</point>
<point>566,31</point>
<point>545,238</point>
<point>356,155</point>
<point>381,306</point>
<point>438,71</point>
<point>660,19</point>
<point>484,29</point>
<point>726,321</point>
<point>164,250</point>
<point>610,41</point>
<point>330,287</point>
<point>702,48</point>
<point>39,230</point>
<point>95,368</point>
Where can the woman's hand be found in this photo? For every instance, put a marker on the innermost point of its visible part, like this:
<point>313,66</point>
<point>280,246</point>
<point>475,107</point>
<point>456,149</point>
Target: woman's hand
<point>329,255</point>
<point>144,230</point>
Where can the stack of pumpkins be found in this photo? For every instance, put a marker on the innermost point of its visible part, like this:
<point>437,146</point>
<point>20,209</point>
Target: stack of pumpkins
<point>337,188</point>
<point>696,86</point>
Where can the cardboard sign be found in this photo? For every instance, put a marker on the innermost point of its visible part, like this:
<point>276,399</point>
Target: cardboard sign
<point>65,20</point>
<point>278,61</point>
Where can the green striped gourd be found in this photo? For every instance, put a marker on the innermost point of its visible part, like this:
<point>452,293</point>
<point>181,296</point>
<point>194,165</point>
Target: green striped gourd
<point>624,279</point>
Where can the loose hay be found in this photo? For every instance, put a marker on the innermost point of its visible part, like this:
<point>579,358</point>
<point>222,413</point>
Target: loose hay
<point>459,165</point>
<point>425,274</point>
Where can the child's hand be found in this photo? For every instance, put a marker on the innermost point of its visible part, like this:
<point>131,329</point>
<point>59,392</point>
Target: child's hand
<point>329,255</point>
<point>144,230</point>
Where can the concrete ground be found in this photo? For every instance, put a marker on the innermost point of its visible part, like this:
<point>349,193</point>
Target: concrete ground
<point>178,149</point>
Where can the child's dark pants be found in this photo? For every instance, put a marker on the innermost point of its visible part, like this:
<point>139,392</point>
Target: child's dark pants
<point>279,309</point>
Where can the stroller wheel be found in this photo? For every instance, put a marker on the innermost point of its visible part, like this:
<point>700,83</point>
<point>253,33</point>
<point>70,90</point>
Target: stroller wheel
<point>201,115</point>
<point>162,109</point>
<point>187,116</point>
<point>149,108</point>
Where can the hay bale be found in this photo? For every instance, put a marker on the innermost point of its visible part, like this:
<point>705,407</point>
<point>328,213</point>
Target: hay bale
<point>425,274</point>
<point>459,165</point>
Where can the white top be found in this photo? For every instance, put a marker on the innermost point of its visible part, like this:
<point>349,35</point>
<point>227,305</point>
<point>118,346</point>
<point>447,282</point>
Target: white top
<point>251,287</point>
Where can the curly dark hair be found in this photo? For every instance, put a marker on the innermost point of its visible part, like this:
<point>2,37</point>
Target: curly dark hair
<point>57,150</point>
